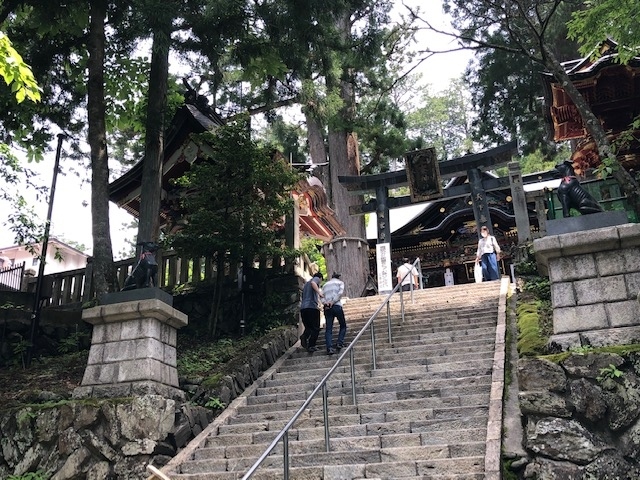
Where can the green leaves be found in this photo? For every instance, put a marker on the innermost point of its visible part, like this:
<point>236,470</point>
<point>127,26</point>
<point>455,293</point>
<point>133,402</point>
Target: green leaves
<point>16,72</point>
<point>602,19</point>
<point>235,198</point>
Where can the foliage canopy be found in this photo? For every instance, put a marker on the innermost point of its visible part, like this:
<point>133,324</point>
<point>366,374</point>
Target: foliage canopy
<point>602,19</point>
<point>235,199</point>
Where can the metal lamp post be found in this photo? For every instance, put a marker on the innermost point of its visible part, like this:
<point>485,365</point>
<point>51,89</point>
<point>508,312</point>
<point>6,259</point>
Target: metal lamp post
<point>35,314</point>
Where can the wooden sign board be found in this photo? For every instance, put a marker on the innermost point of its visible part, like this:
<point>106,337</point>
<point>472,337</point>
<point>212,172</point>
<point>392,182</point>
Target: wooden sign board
<point>423,175</point>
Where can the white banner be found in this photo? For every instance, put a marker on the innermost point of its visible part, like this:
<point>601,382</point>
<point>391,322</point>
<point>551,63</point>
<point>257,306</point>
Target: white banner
<point>383,263</point>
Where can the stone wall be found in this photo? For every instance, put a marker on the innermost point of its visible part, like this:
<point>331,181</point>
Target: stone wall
<point>595,280</point>
<point>581,417</point>
<point>114,439</point>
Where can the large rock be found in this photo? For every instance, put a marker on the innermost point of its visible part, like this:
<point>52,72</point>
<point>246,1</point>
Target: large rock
<point>562,439</point>
<point>590,365</point>
<point>623,401</point>
<point>539,374</point>
<point>588,400</point>
<point>611,466</point>
<point>545,469</point>
<point>544,403</point>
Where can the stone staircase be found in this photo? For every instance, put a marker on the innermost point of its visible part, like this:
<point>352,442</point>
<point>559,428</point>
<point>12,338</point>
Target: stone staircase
<point>430,410</point>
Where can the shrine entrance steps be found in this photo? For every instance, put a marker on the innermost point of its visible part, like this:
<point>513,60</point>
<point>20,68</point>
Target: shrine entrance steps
<point>423,413</point>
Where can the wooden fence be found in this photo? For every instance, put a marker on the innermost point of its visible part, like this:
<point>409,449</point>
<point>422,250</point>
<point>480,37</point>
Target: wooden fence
<point>11,278</point>
<point>74,287</point>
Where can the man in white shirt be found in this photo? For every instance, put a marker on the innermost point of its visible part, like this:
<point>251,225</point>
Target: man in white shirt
<point>404,279</point>
<point>333,291</point>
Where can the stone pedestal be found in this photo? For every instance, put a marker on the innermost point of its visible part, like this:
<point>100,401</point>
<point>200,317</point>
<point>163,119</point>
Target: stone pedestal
<point>133,350</point>
<point>595,279</point>
<point>586,222</point>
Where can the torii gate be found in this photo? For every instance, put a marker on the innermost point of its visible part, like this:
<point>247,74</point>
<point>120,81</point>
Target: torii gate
<point>469,165</point>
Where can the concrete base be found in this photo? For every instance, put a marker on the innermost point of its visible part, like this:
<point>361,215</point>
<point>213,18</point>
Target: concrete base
<point>597,338</point>
<point>133,350</point>
<point>595,279</point>
<point>561,226</point>
<point>136,295</point>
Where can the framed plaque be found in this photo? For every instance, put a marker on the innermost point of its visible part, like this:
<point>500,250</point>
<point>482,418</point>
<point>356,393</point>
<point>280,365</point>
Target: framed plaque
<point>423,174</point>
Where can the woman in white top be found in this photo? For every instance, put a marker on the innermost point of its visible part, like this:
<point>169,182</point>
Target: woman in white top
<point>488,250</point>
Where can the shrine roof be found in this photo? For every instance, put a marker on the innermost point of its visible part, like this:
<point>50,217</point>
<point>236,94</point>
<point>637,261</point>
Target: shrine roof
<point>180,152</point>
<point>188,119</point>
<point>585,67</point>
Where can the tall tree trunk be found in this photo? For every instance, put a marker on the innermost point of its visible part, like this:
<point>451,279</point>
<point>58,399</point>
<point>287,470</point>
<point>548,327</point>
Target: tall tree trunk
<point>103,272</point>
<point>151,188</point>
<point>317,147</point>
<point>349,256</point>
<point>622,176</point>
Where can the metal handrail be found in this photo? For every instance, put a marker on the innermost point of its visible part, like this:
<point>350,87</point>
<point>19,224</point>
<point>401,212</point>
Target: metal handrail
<point>284,433</point>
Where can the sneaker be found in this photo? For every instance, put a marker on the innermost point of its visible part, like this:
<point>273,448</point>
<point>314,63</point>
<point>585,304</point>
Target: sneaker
<point>340,346</point>
<point>331,351</point>
<point>312,349</point>
<point>303,341</point>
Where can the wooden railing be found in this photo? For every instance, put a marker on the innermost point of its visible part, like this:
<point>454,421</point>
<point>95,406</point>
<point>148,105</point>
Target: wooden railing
<point>74,287</point>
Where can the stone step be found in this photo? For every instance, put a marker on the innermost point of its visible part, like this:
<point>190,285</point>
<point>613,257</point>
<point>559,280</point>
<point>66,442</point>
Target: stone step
<point>430,431</point>
<point>406,334</point>
<point>391,355</point>
<point>381,423</point>
<point>367,404</point>
<point>437,370</point>
<point>436,346</point>
<point>382,392</point>
<point>434,310</point>
<point>354,454</point>
<point>232,446</point>
<point>443,387</point>
<point>294,363</point>
<point>329,472</point>
<point>432,317</point>
<point>465,337</point>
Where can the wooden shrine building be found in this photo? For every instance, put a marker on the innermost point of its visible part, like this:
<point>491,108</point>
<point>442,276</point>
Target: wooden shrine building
<point>312,217</point>
<point>612,91</point>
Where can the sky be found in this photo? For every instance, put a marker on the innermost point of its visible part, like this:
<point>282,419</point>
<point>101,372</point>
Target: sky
<point>71,213</point>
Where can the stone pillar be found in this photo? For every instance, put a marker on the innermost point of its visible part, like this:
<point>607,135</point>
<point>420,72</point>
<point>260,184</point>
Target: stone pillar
<point>539,198</point>
<point>595,278</point>
<point>133,349</point>
<point>519,203</point>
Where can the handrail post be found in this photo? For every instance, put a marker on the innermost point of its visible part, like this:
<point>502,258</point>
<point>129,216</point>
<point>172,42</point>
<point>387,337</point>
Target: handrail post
<point>325,412</point>
<point>401,305</point>
<point>389,321</point>
<point>285,452</point>
<point>353,377</point>
<point>373,347</point>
